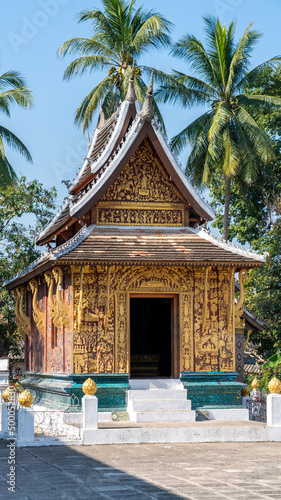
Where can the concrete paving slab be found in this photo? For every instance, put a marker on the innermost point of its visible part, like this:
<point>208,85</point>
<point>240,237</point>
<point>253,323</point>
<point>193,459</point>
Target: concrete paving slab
<point>190,471</point>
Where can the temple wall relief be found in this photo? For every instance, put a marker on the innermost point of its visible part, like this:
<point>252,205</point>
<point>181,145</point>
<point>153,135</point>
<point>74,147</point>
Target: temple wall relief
<point>101,315</point>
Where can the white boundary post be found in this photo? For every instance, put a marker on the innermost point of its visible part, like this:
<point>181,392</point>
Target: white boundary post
<point>89,419</point>
<point>5,414</point>
<point>25,426</point>
<point>273,410</point>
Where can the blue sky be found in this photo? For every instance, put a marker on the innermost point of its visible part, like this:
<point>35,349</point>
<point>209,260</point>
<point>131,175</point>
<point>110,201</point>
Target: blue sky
<point>31,33</point>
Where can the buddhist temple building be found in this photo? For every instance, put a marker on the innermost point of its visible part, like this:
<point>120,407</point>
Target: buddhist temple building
<point>132,286</point>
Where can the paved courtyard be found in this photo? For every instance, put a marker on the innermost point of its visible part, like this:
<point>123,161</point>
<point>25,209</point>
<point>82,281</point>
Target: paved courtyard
<point>200,471</point>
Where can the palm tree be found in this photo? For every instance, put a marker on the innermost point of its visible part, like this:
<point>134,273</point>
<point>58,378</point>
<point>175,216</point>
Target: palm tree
<point>225,139</point>
<point>120,34</point>
<point>13,90</point>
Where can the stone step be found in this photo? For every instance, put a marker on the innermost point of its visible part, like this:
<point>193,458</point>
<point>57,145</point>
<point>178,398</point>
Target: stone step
<point>163,416</point>
<point>155,383</point>
<point>157,394</point>
<point>159,405</point>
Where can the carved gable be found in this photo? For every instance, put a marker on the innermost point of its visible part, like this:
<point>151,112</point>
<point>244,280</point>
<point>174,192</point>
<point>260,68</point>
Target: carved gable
<point>143,194</point>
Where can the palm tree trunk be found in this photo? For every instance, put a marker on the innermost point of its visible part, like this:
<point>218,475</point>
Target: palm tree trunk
<point>226,207</point>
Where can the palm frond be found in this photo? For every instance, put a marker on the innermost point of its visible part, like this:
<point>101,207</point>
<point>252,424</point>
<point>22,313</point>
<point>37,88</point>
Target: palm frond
<point>83,64</point>
<point>15,143</point>
<point>241,57</point>
<point>260,141</point>
<point>175,92</point>
<point>86,46</point>
<point>152,32</point>
<point>190,134</point>
<point>250,78</point>
<point>7,174</point>
<point>84,113</point>
<point>21,96</point>
<point>191,50</point>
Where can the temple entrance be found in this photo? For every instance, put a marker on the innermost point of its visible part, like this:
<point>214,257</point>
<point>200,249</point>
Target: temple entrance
<point>151,336</point>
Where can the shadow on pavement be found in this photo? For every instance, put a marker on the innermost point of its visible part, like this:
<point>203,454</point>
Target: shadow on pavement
<point>63,472</point>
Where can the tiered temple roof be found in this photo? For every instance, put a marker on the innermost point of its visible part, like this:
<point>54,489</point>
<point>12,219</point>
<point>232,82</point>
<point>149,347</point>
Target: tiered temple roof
<point>114,143</point>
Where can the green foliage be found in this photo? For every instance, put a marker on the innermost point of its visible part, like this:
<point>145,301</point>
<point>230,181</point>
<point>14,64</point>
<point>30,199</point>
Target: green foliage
<point>13,90</point>
<point>120,33</point>
<point>17,247</point>
<point>227,141</point>
<point>255,218</point>
<point>264,379</point>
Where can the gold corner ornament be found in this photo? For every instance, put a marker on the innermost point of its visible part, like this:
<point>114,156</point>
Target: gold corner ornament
<point>22,320</point>
<point>38,316</point>
<point>7,394</point>
<point>53,307</point>
<point>64,309</point>
<point>89,387</point>
<point>26,399</point>
<point>255,384</point>
<point>274,386</point>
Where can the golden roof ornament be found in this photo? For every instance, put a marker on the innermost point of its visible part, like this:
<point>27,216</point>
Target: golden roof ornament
<point>147,111</point>
<point>102,119</point>
<point>89,387</point>
<point>6,394</point>
<point>274,386</point>
<point>26,399</point>
<point>131,95</point>
<point>246,391</point>
<point>255,384</point>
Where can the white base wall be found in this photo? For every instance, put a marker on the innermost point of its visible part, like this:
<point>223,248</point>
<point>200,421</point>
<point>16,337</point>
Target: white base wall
<point>229,414</point>
<point>169,435</point>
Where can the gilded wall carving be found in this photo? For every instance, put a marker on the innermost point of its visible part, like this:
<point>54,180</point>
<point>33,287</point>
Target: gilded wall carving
<point>136,216</point>
<point>226,320</point>
<point>22,320</point>
<point>187,340</point>
<point>143,194</point>
<point>121,333</point>
<point>144,179</point>
<point>53,306</point>
<point>93,320</point>
<point>102,343</point>
<point>38,315</point>
<point>63,308</point>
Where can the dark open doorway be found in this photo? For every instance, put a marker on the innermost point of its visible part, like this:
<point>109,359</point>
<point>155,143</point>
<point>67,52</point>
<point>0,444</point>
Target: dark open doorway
<point>150,326</point>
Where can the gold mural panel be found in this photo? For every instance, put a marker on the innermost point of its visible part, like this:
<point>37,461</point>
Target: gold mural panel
<point>108,215</point>
<point>93,336</point>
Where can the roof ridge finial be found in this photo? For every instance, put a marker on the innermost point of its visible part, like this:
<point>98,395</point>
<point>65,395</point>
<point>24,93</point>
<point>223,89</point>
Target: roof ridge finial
<point>89,141</point>
<point>147,112</point>
<point>131,95</point>
<point>102,119</point>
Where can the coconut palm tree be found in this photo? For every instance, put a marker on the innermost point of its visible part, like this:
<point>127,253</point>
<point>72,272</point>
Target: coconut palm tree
<point>226,137</point>
<point>13,90</point>
<point>120,33</point>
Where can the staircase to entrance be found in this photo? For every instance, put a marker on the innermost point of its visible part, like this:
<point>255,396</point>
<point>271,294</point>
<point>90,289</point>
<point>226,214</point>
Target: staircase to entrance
<point>159,400</point>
